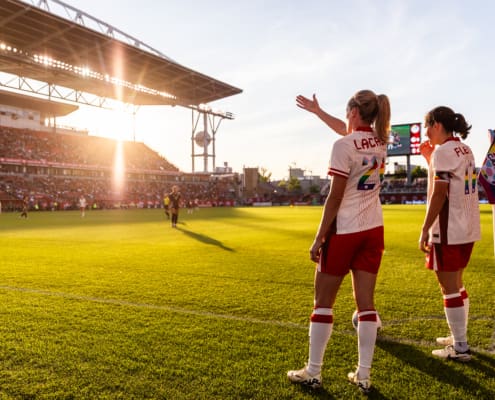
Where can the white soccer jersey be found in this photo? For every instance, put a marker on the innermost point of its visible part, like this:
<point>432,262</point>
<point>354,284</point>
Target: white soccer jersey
<point>359,157</point>
<point>459,219</point>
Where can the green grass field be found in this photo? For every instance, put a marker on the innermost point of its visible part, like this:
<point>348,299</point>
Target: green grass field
<point>118,305</point>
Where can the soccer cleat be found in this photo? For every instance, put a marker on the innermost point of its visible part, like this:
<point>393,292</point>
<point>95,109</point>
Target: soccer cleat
<point>364,385</point>
<point>445,341</point>
<point>450,353</point>
<point>302,377</point>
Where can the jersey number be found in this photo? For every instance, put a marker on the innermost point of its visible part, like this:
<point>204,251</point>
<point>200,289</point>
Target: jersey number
<point>375,167</point>
<point>470,179</point>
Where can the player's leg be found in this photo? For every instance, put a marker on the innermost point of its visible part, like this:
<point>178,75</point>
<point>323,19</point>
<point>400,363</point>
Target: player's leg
<point>320,329</point>
<point>364,287</point>
<point>464,295</point>
<point>456,316</point>
<point>449,262</point>
<point>365,266</point>
<point>449,340</point>
<point>321,322</point>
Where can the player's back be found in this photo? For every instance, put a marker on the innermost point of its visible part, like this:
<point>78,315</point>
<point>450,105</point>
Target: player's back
<point>361,158</point>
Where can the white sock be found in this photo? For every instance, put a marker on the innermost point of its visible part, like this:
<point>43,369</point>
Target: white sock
<point>456,318</point>
<point>320,330</point>
<point>465,299</point>
<point>367,328</point>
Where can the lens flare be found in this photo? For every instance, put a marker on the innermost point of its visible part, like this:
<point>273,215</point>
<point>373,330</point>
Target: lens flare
<point>118,170</point>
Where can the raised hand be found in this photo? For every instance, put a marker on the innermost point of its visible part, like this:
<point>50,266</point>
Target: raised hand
<point>426,149</point>
<point>308,104</point>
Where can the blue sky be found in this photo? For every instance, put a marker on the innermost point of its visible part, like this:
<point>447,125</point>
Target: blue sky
<point>420,53</point>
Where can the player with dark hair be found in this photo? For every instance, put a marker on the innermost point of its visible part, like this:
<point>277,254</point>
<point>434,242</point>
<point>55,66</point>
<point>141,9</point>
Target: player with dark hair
<point>174,197</point>
<point>452,222</point>
<point>25,207</point>
<point>166,204</point>
<point>350,236</point>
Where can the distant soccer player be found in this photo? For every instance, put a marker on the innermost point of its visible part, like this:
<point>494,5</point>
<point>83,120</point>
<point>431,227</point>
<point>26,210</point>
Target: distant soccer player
<point>166,204</point>
<point>82,205</point>
<point>350,236</point>
<point>25,207</point>
<point>175,197</point>
<point>452,222</point>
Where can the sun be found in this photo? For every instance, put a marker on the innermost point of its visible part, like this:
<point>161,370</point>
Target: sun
<point>116,123</point>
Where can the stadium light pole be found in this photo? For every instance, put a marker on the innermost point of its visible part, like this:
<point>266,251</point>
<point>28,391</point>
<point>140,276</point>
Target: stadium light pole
<point>211,122</point>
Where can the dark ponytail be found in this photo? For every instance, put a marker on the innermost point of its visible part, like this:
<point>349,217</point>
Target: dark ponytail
<point>451,121</point>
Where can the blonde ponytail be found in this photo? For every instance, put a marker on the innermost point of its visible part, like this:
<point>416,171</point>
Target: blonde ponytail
<point>373,109</point>
<point>382,121</point>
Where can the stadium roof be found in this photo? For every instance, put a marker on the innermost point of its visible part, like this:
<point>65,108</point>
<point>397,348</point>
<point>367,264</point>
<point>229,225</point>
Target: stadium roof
<point>40,45</point>
<point>46,107</point>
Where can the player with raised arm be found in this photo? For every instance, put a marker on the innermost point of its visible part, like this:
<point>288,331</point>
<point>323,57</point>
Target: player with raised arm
<point>350,236</point>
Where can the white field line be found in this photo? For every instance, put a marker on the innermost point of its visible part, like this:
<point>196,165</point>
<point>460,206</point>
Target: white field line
<point>207,314</point>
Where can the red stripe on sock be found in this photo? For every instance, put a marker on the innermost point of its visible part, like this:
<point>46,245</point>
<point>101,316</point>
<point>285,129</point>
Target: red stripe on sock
<point>464,294</point>
<point>325,319</point>
<point>368,317</point>
<point>454,302</point>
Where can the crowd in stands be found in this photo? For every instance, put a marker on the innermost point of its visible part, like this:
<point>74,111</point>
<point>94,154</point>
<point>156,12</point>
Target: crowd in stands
<point>76,149</point>
<point>400,185</point>
<point>54,170</point>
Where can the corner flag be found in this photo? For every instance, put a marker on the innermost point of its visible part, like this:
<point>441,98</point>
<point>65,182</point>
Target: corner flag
<point>487,172</point>
<point>487,177</point>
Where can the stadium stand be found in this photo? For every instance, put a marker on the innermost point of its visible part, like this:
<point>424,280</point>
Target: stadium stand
<point>53,170</point>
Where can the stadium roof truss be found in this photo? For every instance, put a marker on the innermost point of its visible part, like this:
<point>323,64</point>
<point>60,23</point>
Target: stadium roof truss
<point>84,60</point>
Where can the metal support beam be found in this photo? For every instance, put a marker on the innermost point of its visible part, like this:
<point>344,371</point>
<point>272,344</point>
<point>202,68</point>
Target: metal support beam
<point>202,138</point>
<point>47,90</point>
<point>84,19</point>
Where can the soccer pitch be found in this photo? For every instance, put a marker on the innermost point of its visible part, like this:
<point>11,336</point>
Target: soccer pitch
<point>118,305</point>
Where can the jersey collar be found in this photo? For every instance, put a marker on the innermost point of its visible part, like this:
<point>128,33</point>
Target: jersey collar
<point>364,129</point>
<point>452,138</point>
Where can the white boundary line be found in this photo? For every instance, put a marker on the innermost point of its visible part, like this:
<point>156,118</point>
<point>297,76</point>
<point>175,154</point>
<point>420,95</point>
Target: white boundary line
<point>207,314</point>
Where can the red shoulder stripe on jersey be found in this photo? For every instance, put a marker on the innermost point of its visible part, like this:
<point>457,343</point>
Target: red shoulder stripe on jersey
<point>333,171</point>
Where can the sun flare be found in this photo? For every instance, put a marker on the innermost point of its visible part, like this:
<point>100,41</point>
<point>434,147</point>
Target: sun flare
<point>118,174</point>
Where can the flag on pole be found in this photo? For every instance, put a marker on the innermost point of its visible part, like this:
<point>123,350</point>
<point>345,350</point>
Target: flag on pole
<point>487,171</point>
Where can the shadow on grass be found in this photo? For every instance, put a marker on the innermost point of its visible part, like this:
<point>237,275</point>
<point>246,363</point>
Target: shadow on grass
<point>204,238</point>
<point>323,393</point>
<point>484,363</point>
<point>442,370</point>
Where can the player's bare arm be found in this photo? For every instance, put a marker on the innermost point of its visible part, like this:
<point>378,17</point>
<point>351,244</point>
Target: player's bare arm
<point>437,201</point>
<point>313,106</point>
<point>330,209</point>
